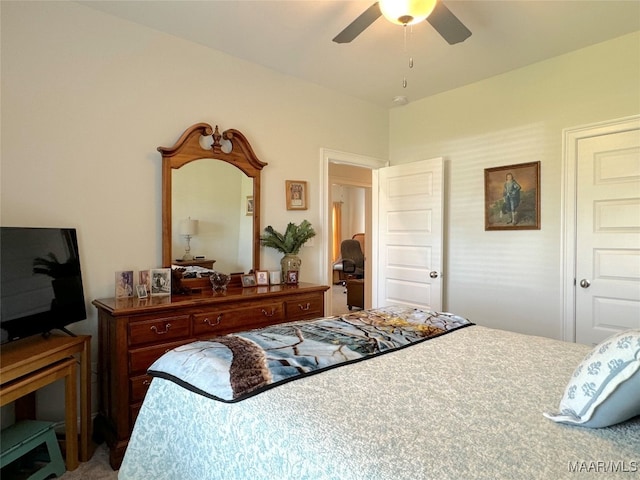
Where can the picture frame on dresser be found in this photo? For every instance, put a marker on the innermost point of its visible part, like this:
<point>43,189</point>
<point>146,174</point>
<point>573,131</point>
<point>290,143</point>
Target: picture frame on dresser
<point>144,278</point>
<point>262,277</point>
<point>275,277</point>
<point>249,280</point>
<point>160,282</point>
<point>292,277</point>
<point>141,290</point>
<point>124,284</point>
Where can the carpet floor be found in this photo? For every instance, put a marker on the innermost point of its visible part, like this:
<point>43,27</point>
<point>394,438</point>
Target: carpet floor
<point>97,468</point>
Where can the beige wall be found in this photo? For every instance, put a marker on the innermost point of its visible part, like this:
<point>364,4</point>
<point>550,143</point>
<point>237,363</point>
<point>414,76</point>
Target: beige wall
<point>512,279</point>
<point>86,100</point>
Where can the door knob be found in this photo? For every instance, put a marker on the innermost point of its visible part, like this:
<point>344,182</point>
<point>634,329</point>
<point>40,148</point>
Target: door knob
<point>584,283</point>
<point>433,274</point>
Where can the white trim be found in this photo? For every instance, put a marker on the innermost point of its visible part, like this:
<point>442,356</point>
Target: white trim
<point>570,139</point>
<point>334,156</point>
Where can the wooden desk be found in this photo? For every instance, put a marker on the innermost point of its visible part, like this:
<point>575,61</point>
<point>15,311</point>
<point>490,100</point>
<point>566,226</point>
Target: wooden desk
<point>33,362</point>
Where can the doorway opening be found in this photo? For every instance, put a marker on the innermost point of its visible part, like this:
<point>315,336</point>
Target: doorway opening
<point>348,222</point>
<point>352,173</point>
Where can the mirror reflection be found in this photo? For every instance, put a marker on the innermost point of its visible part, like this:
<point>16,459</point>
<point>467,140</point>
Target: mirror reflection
<point>215,194</point>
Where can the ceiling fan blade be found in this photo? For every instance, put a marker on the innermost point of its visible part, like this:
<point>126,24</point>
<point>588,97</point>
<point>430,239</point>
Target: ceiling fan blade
<point>448,25</point>
<point>359,25</point>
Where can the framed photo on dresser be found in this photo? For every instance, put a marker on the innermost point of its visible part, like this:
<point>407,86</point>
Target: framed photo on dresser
<point>292,277</point>
<point>262,277</point>
<point>160,281</point>
<point>141,290</point>
<point>124,284</point>
<point>249,280</point>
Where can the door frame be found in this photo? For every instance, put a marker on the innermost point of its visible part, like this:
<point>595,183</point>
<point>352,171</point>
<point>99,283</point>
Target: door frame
<point>328,156</point>
<point>570,139</point>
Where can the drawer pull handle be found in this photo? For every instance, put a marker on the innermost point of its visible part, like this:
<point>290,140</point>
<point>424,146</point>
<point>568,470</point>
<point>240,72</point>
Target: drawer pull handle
<point>273,312</point>
<point>166,329</point>
<point>304,307</point>
<point>213,324</point>
<point>146,383</point>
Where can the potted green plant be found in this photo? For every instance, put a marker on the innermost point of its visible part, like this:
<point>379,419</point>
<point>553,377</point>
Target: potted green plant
<point>289,243</point>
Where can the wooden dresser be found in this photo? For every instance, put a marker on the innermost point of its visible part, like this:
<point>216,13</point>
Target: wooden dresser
<point>133,333</point>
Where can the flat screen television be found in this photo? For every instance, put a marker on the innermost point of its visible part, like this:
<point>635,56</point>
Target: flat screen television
<point>40,281</point>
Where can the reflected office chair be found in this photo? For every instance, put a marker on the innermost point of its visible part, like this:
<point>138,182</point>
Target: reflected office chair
<point>352,259</point>
<point>353,269</point>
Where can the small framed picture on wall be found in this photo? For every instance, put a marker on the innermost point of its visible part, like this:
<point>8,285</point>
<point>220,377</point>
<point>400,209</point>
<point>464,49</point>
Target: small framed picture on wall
<point>296,191</point>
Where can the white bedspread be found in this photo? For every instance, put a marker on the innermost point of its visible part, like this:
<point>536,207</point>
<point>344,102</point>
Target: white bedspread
<point>467,405</point>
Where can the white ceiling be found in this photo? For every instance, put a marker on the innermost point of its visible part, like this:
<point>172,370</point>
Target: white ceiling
<point>295,38</point>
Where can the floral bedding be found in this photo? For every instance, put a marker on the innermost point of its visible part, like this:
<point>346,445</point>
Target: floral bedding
<point>234,367</point>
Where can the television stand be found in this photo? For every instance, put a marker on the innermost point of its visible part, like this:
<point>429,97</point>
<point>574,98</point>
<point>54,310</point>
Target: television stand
<point>29,364</point>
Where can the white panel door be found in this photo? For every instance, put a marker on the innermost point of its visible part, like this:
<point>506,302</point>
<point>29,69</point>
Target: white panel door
<point>410,234</point>
<point>607,235</point>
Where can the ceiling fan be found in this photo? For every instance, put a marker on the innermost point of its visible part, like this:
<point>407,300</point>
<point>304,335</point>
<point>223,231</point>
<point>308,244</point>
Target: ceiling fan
<point>440,18</point>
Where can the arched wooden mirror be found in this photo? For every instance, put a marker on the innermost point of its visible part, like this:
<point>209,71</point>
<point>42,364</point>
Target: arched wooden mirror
<point>213,178</point>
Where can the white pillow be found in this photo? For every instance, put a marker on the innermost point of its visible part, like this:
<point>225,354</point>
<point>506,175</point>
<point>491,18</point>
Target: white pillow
<point>605,387</point>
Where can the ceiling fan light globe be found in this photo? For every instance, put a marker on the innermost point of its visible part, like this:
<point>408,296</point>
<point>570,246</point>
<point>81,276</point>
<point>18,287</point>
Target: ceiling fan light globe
<point>406,12</point>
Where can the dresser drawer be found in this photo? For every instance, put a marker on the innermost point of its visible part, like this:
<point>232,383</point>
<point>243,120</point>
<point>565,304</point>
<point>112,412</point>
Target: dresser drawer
<point>220,322</point>
<point>158,329</point>
<point>138,387</point>
<point>141,359</point>
<point>305,307</point>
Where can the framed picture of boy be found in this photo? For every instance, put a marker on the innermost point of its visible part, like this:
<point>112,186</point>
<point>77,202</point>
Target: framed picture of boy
<point>512,197</point>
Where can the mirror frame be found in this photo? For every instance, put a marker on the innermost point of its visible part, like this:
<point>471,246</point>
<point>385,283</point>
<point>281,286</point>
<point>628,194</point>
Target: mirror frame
<point>188,149</point>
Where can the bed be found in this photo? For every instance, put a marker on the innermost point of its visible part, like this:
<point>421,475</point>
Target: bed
<point>464,402</point>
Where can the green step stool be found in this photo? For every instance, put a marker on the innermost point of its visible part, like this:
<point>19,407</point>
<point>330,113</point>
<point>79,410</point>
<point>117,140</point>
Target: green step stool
<point>22,437</point>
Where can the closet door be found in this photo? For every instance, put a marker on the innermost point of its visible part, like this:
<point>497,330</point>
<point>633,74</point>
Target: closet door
<point>607,280</point>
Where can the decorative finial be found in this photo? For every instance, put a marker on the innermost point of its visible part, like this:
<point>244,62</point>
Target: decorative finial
<point>216,138</point>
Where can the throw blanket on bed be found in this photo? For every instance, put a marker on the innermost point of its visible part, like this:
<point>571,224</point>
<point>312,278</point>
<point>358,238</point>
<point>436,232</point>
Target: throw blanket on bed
<point>233,367</point>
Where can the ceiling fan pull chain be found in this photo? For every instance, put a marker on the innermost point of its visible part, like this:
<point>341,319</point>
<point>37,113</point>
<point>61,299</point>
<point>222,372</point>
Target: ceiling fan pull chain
<point>404,82</point>
<point>404,32</point>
